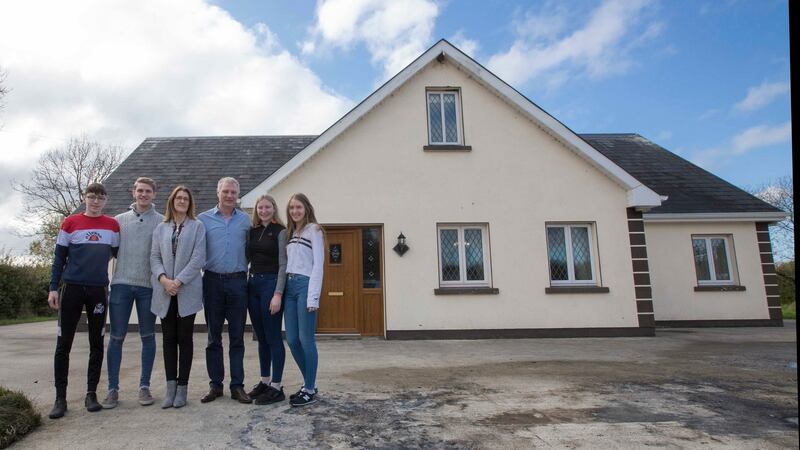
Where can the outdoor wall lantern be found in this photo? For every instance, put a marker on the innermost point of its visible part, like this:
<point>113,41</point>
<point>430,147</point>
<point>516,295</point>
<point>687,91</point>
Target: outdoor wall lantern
<point>401,246</point>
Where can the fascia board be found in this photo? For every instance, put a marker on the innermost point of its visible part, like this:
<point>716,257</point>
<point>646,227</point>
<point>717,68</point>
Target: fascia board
<point>716,217</point>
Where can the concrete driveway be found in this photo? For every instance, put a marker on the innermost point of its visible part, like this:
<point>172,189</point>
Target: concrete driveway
<point>685,388</point>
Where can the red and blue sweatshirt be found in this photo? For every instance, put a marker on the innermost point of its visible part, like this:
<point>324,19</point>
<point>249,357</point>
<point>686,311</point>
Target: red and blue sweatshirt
<point>83,248</point>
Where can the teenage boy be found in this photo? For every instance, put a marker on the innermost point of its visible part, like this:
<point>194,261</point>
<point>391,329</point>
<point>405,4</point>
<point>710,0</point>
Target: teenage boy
<point>86,243</point>
<point>131,284</point>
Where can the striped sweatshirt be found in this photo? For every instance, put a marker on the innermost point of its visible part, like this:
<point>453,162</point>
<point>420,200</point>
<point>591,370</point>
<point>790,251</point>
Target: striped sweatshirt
<point>305,253</point>
<point>83,248</point>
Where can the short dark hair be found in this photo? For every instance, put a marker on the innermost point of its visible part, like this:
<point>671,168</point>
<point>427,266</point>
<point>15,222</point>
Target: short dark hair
<point>95,188</point>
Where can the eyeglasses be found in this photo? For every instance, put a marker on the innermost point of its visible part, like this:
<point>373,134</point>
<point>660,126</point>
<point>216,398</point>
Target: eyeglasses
<point>95,198</point>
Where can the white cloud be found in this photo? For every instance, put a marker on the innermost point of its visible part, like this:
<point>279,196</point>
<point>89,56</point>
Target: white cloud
<point>762,95</point>
<point>465,44</point>
<point>750,139</point>
<point>394,31</point>
<point>547,45</point>
<point>761,136</point>
<point>119,71</point>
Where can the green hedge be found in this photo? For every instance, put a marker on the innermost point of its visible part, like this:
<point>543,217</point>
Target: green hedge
<point>23,291</point>
<point>17,417</point>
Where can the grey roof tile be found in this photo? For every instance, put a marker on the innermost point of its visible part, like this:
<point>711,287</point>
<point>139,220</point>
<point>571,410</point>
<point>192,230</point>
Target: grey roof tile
<point>690,189</point>
<point>199,162</point>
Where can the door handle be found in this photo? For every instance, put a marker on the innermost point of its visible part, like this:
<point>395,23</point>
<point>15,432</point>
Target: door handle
<point>335,294</point>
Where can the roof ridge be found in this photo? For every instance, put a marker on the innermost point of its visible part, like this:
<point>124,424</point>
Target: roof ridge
<point>237,136</point>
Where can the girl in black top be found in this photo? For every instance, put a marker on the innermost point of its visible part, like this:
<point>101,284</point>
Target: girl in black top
<point>266,252</point>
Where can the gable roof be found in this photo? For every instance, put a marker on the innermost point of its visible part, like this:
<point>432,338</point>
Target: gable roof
<point>198,163</point>
<point>690,189</point>
<point>639,195</point>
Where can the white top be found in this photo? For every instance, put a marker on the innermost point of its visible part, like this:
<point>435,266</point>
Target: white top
<point>306,256</point>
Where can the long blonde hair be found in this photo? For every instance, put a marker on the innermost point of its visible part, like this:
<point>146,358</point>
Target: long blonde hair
<point>308,218</point>
<point>276,216</point>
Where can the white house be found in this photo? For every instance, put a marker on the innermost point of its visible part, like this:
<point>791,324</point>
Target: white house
<point>515,225</point>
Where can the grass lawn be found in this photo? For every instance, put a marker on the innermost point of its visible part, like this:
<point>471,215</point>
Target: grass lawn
<point>17,417</point>
<point>28,319</point>
<point>789,311</point>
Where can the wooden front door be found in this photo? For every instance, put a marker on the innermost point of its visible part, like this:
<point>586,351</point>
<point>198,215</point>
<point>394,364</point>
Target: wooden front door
<point>339,298</point>
<point>351,301</point>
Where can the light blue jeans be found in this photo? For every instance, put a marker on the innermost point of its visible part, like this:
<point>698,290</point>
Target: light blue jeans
<point>300,328</point>
<point>120,303</point>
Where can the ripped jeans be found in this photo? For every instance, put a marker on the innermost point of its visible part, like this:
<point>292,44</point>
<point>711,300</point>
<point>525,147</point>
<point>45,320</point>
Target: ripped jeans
<point>120,304</point>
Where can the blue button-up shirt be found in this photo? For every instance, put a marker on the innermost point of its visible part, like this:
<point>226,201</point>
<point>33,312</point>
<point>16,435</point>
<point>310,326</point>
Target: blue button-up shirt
<point>225,240</point>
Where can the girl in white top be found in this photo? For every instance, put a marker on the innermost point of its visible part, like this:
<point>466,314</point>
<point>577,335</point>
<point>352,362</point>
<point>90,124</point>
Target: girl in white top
<point>305,258</point>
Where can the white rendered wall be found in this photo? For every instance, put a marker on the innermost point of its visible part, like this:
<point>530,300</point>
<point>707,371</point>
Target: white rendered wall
<point>516,178</point>
<point>673,277</point>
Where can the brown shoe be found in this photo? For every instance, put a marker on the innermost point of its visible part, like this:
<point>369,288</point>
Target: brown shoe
<point>212,395</point>
<point>240,395</point>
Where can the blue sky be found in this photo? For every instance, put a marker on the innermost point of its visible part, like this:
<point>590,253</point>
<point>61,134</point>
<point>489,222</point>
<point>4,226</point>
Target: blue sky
<point>708,80</point>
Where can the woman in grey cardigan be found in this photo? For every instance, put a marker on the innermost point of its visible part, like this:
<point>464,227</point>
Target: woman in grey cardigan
<point>176,257</point>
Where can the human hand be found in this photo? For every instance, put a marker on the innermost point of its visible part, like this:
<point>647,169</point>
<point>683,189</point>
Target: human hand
<point>52,299</point>
<point>275,304</point>
<point>172,289</point>
<point>312,308</point>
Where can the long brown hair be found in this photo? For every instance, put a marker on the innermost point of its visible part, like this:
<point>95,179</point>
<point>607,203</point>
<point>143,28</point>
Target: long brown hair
<point>308,218</point>
<point>276,216</point>
<point>169,211</point>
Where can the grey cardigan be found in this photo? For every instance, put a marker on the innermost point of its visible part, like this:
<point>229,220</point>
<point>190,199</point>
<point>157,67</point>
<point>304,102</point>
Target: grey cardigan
<point>185,266</point>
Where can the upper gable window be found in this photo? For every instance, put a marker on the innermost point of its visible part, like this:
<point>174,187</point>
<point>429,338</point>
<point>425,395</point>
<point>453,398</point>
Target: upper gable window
<point>444,117</point>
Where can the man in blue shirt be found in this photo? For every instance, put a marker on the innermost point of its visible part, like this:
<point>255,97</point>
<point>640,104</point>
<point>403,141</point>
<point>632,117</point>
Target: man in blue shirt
<point>225,289</point>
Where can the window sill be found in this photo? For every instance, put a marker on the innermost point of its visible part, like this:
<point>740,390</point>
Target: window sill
<point>447,148</point>
<point>576,290</point>
<point>466,291</point>
<point>719,288</point>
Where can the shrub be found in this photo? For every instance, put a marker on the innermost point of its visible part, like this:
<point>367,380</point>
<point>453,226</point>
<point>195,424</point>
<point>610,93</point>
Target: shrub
<point>786,282</point>
<point>23,291</point>
<point>17,417</point>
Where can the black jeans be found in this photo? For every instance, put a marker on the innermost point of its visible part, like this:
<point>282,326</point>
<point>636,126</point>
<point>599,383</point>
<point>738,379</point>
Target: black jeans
<point>177,338</point>
<point>74,299</point>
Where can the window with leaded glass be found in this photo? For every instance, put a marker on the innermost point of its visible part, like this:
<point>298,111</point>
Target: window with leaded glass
<point>443,117</point>
<point>571,254</point>
<point>371,257</point>
<point>464,255</point>
<point>712,259</point>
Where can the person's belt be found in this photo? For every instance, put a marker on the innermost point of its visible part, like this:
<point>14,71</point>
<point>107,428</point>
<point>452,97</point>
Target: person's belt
<point>223,276</point>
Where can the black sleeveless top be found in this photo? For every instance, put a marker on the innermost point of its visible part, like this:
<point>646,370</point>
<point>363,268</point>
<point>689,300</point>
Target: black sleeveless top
<point>262,248</point>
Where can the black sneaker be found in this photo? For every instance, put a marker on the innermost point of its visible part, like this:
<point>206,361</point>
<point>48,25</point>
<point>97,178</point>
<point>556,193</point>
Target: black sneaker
<point>258,389</point>
<point>299,391</point>
<point>91,402</point>
<point>271,395</point>
<point>59,408</point>
<point>305,398</point>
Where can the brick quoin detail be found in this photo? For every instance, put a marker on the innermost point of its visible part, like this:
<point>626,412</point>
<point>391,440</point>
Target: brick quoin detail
<point>768,272</point>
<point>641,269</point>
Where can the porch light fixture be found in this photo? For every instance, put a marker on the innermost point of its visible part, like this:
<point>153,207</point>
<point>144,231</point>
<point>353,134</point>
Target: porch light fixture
<point>401,246</point>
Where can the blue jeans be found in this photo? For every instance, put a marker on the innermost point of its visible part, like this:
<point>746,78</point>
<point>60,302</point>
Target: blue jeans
<point>260,289</point>
<point>120,303</point>
<point>300,328</point>
<point>225,299</point>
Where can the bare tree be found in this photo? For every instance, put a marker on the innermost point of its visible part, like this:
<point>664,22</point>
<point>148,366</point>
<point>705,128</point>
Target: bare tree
<point>3,90</point>
<point>54,188</point>
<point>780,194</point>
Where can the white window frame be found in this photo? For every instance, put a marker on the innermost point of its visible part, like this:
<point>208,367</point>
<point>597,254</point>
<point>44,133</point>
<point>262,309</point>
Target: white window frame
<point>711,268</point>
<point>462,266</point>
<point>440,93</point>
<point>571,281</point>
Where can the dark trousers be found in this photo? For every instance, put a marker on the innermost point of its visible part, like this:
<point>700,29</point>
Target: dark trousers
<point>225,298</point>
<point>74,299</point>
<point>267,327</point>
<point>178,345</point>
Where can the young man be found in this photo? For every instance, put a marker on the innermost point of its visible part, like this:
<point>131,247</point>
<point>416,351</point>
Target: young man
<point>225,289</point>
<point>131,283</point>
<point>86,243</point>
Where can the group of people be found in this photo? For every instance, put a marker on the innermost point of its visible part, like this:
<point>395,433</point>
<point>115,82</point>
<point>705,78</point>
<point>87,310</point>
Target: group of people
<point>174,265</point>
